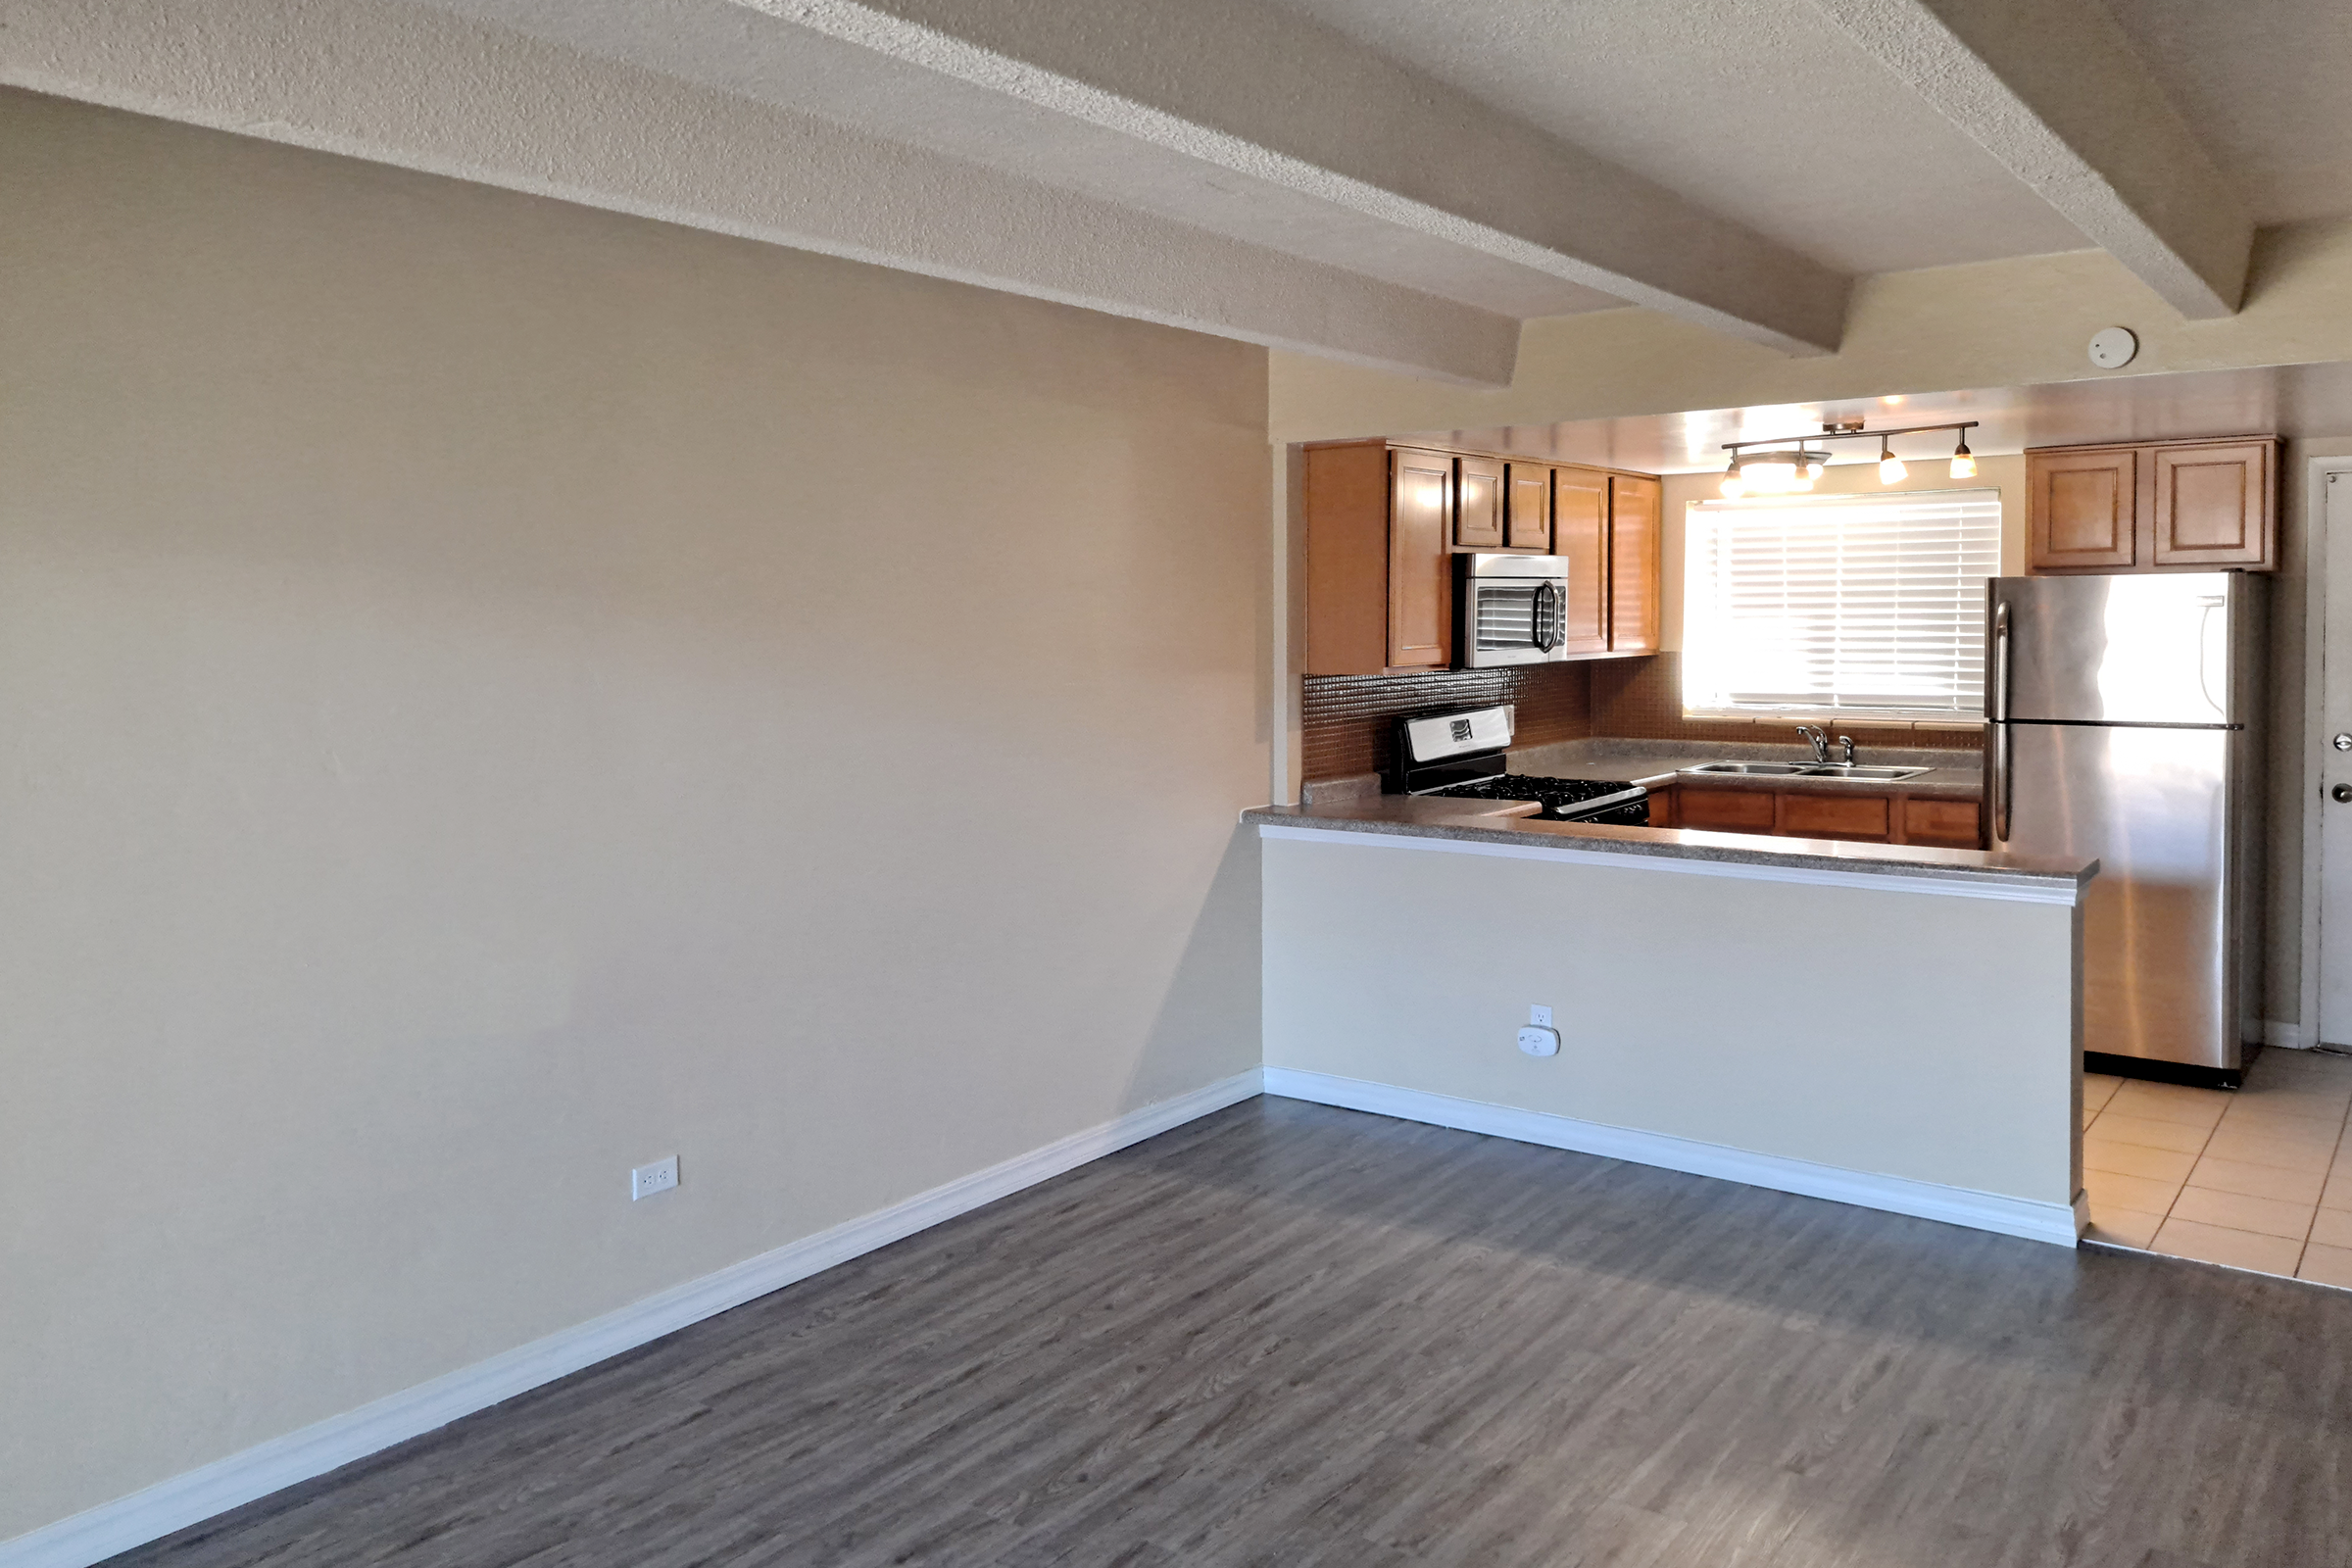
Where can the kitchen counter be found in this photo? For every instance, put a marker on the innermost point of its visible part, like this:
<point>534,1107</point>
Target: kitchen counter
<point>1953,774</point>
<point>1404,940</point>
<point>1509,824</point>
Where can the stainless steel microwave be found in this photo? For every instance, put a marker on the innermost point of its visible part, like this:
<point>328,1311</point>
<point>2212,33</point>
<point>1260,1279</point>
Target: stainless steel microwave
<point>1509,610</point>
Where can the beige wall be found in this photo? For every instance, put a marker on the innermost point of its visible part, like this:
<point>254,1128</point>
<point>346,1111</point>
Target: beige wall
<point>494,692</point>
<point>1774,1017</point>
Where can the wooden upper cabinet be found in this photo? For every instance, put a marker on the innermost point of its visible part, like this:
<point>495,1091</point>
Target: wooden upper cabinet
<point>2084,507</point>
<point>1634,526</point>
<point>2192,505</point>
<point>1581,535</point>
<point>1379,585</point>
<point>1420,566</point>
<point>1384,523</point>
<point>2213,504</point>
<point>1527,507</point>
<point>1478,507</point>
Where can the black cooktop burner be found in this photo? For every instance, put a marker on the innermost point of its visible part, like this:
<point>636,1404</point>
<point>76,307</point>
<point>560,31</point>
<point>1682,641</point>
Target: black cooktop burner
<point>1560,796</point>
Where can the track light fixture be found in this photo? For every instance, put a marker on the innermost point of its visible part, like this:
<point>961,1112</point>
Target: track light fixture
<point>1793,472</point>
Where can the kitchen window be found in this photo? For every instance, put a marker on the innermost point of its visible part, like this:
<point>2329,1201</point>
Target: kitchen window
<point>1840,605</point>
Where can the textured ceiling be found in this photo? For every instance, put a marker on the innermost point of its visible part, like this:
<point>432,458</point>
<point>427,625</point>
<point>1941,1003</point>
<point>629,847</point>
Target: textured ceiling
<point>1388,182</point>
<point>2267,85</point>
<point>728,46</point>
<point>1755,108</point>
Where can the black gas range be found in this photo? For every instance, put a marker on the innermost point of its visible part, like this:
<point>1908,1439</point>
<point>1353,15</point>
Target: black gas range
<point>1460,755</point>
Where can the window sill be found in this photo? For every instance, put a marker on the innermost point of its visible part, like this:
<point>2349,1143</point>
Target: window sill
<point>1847,718</point>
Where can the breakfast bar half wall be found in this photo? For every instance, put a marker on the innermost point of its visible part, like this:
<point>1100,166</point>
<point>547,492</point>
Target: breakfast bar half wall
<point>1889,1026</point>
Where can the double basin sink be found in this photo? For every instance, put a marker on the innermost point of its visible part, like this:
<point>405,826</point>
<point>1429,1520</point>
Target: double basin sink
<point>1849,771</point>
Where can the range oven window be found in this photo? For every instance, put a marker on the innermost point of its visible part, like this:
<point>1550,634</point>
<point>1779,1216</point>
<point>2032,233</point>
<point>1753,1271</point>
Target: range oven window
<point>1518,616</point>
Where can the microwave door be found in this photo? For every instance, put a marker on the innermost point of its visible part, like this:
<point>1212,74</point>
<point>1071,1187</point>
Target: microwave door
<point>1514,623</point>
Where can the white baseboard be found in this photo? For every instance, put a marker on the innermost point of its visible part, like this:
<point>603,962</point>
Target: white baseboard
<point>197,1495</point>
<point>2285,1036</point>
<point>1897,1194</point>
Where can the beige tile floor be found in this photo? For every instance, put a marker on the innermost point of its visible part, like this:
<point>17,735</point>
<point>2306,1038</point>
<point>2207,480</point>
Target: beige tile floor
<point>2258,1179</point>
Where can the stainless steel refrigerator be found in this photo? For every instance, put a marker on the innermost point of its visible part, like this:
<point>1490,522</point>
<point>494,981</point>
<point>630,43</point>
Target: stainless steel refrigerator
<point>2126,724</point>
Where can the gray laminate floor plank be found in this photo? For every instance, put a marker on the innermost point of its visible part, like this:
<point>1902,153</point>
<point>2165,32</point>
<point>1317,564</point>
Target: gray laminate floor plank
<point>1296,1336</point>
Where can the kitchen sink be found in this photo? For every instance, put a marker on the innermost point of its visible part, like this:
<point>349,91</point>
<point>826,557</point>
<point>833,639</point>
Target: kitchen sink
<point>1857,773</point>
<point>1881,775</point>
<point>1751,769</point>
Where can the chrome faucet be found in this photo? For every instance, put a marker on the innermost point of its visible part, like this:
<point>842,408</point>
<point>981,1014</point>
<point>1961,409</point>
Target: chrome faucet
<point>1847,742</point>
<point>1821,742</point>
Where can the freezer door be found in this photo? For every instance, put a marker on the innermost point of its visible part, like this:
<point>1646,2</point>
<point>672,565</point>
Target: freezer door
<point>2150,648</point>
<point>2160,968</point>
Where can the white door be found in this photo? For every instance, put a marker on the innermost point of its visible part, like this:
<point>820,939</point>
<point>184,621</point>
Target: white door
<point>2335,770</point>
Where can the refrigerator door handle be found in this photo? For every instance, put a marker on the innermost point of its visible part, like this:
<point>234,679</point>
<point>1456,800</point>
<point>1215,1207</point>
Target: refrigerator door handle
<point>1998,783</point>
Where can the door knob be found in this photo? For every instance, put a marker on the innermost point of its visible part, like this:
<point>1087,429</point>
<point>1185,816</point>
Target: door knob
<point>2341,794</point>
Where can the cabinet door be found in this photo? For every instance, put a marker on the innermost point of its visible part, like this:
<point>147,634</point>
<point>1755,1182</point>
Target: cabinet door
<point>2213,504</point>
<point>1478,508</point>
<point>2081,507</point>
<point>1580,534</point>
<point>1527,507</point>
<point>1420,567</point>
<point>1869,818</point>
<point>1347,502</point>
<point>1954,824</point>
<point>1633,564</point>
<point>1723,811</point>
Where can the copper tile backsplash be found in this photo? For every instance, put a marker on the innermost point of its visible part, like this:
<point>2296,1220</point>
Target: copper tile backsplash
<point>1344,726</point>
<point>1643,696</point>
<point>1346,730</point>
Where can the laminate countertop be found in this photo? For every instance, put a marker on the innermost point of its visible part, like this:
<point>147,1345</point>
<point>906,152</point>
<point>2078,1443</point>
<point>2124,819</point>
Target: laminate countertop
<point>1512,824</point>
<point>1953,774</point>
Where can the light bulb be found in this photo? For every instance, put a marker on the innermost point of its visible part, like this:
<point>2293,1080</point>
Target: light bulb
<point>1963,462</point>
<point>1734,487</point>
<point>1773,474</point>
<point>1890,466</point>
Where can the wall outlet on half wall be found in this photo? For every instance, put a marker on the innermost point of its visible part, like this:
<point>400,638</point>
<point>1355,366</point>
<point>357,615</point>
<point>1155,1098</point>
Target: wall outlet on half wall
<point>1539,1015</point>
<point>659,1177</point>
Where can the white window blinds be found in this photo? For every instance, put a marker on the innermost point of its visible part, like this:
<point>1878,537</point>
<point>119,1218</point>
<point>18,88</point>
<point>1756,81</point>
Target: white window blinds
<point>1863,604</point>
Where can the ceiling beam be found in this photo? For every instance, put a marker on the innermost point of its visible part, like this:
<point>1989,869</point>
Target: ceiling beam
<point>425,89</point>
<point>1256,89</point>
<point>2053,89</point>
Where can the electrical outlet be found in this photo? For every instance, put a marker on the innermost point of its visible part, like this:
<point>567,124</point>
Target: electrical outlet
<point>659,1177</point>
<point>1539,1015</point>
<point>1539,1041</point>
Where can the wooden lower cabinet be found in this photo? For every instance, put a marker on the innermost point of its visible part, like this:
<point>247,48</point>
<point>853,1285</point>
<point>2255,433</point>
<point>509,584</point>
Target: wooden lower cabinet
<point>1869,818</point>
<point>1725,810</point>
<point>1954,824</point>
<point>1803,813</point>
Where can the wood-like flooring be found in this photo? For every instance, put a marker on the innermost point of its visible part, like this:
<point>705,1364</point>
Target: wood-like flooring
<point>1289,1335</point>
